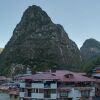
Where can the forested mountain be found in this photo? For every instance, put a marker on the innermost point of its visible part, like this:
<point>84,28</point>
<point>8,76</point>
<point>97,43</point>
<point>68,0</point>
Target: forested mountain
<point>90,49</point>
<point>39,43</point>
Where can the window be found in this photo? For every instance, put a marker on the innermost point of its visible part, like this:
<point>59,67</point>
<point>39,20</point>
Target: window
<point>47,85</point>
<point>47,93</point>
<point>29,91</point>
<point>69,75</point>
<point>64,94</point>
<point>41,91</point>
<point>85,93</point>
<point>53,90</point>
<point>28,84</point>
<point>33,90</point>
<point>37,91</point>
<point>22,90</point>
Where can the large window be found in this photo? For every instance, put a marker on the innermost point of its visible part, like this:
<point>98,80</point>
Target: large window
<point>29,91</point>
<point>47,93</point>
<point>37,90</point>
<point>63,94</point>
<point>85,93</point>
<point>22,90</point>
<point>53,90</point>
<point>41,91</point>
<point>47,85</point>
<point>28,84</point>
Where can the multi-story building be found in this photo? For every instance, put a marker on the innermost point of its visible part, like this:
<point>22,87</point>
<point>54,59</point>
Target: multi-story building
<point>59,85</point>
<point>14,94</point>
<point>96,76</point>
<point>96,73</point>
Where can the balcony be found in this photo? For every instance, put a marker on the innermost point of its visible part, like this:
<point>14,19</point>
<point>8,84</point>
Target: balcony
<point>53,86</point>
<point>83,88</point>
<point>64,88</point>
<point>47,93</point>
<point>47,96</point>
<point>47,85</point>
<point>22,85</point>
<point>28,85</point>
<point>85,94</point>
<point>22,94</point>
<point>28,93</point>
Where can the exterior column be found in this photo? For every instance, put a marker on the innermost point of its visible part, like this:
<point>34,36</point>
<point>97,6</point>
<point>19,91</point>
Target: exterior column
<point>74,96</point>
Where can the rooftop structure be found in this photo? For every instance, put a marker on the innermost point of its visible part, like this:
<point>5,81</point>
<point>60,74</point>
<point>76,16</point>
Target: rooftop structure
<point>59,85</point>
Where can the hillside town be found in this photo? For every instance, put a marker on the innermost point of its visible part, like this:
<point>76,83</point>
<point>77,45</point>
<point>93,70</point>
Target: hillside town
<point>52,85</point>
<point>40,60</point>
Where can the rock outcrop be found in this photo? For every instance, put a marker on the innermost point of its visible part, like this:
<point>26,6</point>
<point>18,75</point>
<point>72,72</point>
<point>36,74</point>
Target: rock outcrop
<point>90,49</point>
<point>1,49</point>
<point>37,41</point>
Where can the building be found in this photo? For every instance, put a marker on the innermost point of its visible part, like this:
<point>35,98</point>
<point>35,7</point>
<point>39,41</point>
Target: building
<point>14,94</point>
<point>3,79</point>
<point>59,85</point>
<point>96,76</point>
<point>96,73</point>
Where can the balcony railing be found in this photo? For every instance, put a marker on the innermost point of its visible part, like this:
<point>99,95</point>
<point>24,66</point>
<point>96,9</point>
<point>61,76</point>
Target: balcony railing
<point>47,86</point>
<point>28,95</point>
<point>83,88</point>
<point>47,96</point>
<point>64,94</point>
<point>28,85</point>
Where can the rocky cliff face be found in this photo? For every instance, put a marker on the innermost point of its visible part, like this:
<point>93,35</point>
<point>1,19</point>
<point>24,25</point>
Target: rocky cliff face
<point>37,41</point>
<point>90,49</point>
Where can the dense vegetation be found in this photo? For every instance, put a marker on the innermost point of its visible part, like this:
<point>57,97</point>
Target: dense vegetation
<point>90,65</point>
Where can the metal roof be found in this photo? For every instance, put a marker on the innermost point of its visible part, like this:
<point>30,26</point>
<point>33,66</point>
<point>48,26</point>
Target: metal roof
<point>59,75</point>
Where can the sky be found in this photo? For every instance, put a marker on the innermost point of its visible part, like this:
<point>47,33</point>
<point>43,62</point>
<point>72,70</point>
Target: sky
<point>80,18</point>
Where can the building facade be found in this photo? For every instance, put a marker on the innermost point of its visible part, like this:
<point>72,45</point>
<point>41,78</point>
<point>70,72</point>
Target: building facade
<point>59,85</point>
<point>96,76</point>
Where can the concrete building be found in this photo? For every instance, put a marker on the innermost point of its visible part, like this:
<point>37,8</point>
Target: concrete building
<point>14,94</point>
<point>96,73</point>
<point>3,79</point>
<point>59,85</point>
<point>96,76</point>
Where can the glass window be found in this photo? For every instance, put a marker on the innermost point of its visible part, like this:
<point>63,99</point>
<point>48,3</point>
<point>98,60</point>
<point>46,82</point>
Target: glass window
<point>85,93</point>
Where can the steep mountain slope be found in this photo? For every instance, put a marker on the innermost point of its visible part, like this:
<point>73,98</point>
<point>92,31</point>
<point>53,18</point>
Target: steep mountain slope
<point>90,49</point>
<point>37,41</point>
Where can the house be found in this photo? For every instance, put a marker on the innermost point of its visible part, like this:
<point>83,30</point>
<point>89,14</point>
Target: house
<point>96,76</point>
<point>59,85</point>
<point>3,79</point>
<point>14,94</point>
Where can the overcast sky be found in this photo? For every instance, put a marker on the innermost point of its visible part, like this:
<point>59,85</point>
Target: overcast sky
<point>80,18</point>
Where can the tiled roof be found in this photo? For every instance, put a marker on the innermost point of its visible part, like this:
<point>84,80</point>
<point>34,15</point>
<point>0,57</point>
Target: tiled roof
<point>14,92</point>
<point>76,77</point>
<point>3,78</point>
<point>97,80</point>
<point>59,75</point>
<point>42,76</point>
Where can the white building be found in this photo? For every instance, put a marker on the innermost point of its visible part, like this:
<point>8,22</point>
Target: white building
<point>61,85</point>
<point>96,76</point>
